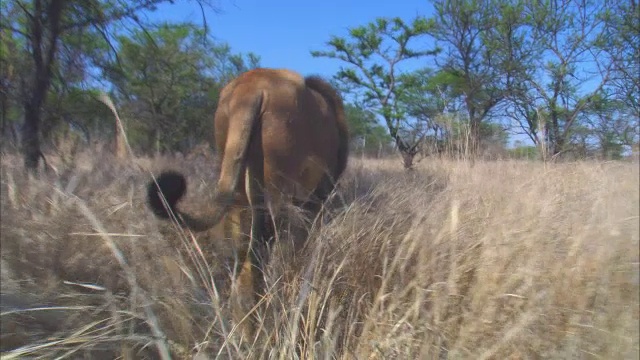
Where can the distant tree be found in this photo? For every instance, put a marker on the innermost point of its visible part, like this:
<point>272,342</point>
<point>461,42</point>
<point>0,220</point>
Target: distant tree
<point>365,130</point>
<point>494,138</point>
<point>373,54</point>
<point>436,100</point>
<point>549,97</point>
<point>609,123</point>
<point>616,109</point>
<point>620,41</point>
<point>521,151</point>
<point>168,80</point>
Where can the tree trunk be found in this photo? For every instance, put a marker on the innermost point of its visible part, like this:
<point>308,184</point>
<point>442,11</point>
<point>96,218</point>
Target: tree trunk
<point>3,110</point>
<point>556,141</point>
<point>474,138</point>
<point>43,53</point>
<point>30,136</point>
<point>558,146</point>
<point>407,159</point>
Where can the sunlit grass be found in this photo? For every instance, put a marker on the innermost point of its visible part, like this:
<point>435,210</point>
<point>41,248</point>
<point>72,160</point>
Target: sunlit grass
<point>494,260</point>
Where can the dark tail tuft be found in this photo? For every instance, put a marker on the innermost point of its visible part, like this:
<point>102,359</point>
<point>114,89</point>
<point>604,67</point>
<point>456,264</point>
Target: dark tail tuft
<point>173,186</point>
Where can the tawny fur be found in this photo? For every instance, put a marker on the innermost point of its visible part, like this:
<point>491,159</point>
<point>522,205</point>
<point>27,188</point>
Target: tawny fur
<point>281,139</point>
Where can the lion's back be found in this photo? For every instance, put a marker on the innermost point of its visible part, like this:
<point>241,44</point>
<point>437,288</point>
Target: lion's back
<point>264,79</point>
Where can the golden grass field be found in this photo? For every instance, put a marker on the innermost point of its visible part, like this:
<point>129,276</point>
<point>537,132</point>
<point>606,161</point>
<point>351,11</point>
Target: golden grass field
<point>499,260</point>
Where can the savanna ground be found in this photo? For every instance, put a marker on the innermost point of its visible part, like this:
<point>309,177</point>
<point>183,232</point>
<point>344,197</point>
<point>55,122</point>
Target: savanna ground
<point>500,260</point>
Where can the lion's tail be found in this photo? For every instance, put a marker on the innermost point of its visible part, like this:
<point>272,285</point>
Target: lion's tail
<point>241,122</point>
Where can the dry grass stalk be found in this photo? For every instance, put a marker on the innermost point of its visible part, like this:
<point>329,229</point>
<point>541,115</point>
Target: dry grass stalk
<point>122,146</point>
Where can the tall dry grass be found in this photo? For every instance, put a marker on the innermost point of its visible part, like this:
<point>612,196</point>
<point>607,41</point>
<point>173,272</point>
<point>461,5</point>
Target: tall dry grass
<point>496,260</point>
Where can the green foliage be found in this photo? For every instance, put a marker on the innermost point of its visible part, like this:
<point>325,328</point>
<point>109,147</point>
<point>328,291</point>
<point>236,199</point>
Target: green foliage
<point>432,94</point>
<point>524,152</point>
<point>168,79</point>
<point>495,134</point>
<point>365,129</point>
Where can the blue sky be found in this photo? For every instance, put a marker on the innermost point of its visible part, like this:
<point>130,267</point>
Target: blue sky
<point>283,32</point>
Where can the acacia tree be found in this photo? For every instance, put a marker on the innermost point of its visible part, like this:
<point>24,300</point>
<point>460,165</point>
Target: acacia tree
<point>374,54</point>
<point>41,24</point>
<point>620,41</point>
<point>481,51</point>
<point>616,121</point>
<point>565,74</point>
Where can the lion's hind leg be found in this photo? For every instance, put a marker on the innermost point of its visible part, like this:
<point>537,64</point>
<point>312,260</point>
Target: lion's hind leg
<point>250,284</point>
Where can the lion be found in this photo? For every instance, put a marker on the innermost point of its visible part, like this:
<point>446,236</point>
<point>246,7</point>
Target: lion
<point>281,139</point>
